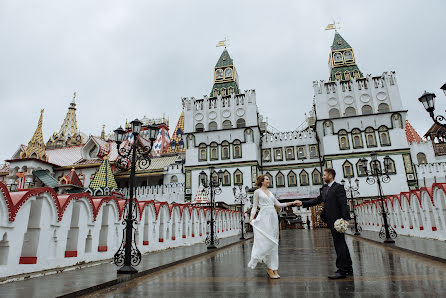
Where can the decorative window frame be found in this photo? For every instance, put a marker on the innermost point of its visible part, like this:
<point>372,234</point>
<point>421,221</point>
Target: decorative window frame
<point>238,173</point>
<point>316,154</point>
<point>290,183</point>
<point>316,172</point>
<point>283,184</point>
<point>344,167</point>
<point>202,148</point>
<point>213,148</point>
<point>240,124</point>
<point>202,128</point>
<point>392,167</point>
<point>287,150</point>
<point>235,144</point>
<point>362,110</point>
<point>225,126</point>
<point>269,155</point>
<point>302,174</point>
<point>359,169</point>
<point>278,154</point>
<point>357,133</point>
<point>370,131</point>
<point>342,134</point>
<point>421,155</point>
<point>383,130</point>
<point>304,154</point>
<point>227,175</point>
<point>225,145</point>
<point>212,123</point>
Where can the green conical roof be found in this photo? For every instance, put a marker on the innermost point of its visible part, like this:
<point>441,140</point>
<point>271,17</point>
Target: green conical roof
<point>104,176</point>
<point>346,66</point>
<point>339,42</point>
<point>225,59</point>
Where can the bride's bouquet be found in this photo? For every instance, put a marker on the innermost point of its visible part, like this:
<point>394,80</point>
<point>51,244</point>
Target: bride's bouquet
<point>341,225</point>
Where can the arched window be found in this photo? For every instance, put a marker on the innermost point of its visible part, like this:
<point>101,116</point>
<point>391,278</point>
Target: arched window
<point>225,150</point>
<point>343,140</point>
<point>238,177</point>
<point>384,137</point>
<point>292,179</point>
<point>174,179</point>
<point>271,183</point>
<point>223,91</point>
<point>370,137</point>
<point>383,108</point>
<point>356,74</point>
<point>421,158</point>
<point>266,153</point>
<point>367,110</point>
<point>181,143</point>
<point>226,178</point>
<point>237,149</point>
<point>303,177</point>
<point>199,127</point>
<point>240,123</point>
<point>317,180</point>
<point>350,111</point>
<point>212,125</point>
<point>334,113</point>
<point>347,75</point>
<point>215,93</point>
<point>360,169</point>
<point>357,138</point>
<point>227,124</point>
<point>231,90</point>
<point>202,152</point>
<point>391,169</point>
<point>278,156</point>
<point>173,145</point>
<point>280,180</point>
<point>214,151</point>
<point>338,76</point>
<point>348,169</point>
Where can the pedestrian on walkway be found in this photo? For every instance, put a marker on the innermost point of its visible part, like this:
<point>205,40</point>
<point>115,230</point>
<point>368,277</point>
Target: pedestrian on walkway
<point>266,228</point>
<point>335,207</point>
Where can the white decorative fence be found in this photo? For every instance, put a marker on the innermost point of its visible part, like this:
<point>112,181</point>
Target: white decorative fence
<point>170,193</point>
<point>41,230</point>
<point>418,213</point>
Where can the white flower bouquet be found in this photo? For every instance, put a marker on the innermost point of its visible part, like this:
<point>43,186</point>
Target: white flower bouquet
<point>341,225</point>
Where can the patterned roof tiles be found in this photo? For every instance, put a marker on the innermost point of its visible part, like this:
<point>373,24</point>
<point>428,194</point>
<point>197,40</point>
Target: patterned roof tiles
<point>104,176</point>
<point>177,142</point>
<point>411,133</point>
<point>65,156</point>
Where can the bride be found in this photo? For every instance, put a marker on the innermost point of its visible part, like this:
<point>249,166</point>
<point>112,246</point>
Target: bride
<point>266,228</point>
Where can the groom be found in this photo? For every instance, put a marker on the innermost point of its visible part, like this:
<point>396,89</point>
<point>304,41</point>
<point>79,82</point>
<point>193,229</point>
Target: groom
<point>335,207</point>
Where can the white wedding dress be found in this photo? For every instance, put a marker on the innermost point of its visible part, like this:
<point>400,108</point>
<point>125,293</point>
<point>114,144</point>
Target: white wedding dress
<point>266,231</point>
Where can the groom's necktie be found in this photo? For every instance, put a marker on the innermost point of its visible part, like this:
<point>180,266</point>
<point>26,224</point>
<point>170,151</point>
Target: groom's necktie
<point>328,188</point>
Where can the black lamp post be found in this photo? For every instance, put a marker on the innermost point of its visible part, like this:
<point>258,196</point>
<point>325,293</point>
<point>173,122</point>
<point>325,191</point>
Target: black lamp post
<point>352,192</point>
<point>128,254</point>
<point>241,198</point>
<point>377,175</point>
<point>428,101</point>
<point>212,188</point>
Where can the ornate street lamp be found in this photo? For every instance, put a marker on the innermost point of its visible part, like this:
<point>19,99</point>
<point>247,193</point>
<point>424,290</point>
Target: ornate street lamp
<point>211,189</point>
<point>352,192</point>
<point>128,254</point>
<point>241,198</point>
<point>377,175</point>
<point>428,101</point>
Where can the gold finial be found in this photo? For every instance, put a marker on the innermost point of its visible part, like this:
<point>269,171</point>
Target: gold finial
<point>103,132</point>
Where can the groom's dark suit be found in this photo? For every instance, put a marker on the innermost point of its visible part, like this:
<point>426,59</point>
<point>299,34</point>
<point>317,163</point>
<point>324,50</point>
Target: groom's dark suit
<point>335,207</point>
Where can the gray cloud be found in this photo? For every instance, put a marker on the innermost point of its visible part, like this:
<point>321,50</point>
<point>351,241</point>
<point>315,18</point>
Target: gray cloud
<point>128,59</point>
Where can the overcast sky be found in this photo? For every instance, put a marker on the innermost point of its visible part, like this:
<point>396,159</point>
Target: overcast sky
<point>129,59</point>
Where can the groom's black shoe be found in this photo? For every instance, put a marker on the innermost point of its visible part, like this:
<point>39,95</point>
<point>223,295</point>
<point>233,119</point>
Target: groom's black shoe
<point>338,275</point>
<point>349,273</point>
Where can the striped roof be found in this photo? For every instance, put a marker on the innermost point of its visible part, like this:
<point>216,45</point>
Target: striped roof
<point>201,196</point>
<point>103,176</point>
<point>177,142</point>
<point>411,133</point>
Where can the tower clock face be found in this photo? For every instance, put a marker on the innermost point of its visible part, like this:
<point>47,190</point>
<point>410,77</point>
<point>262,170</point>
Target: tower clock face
<point>337,57</point>
<point>228,73</point>
<point>219,73</point>
<point>348,55</point>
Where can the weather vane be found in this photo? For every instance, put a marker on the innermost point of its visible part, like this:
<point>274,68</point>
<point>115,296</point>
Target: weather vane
<point>333,26</point>
<point>223,43</point>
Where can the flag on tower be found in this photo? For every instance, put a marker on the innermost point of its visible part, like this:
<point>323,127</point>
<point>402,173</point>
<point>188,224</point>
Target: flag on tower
<point>221,43</point>
<point>330,27</point>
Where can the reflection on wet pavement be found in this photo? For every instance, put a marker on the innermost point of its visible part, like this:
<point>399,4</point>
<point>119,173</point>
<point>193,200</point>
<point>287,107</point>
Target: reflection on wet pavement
<point>306,258</point>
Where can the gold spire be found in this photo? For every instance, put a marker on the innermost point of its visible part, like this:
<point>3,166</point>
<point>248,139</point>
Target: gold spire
<point>103,132</point>
<point>36,147</point>
<point>68,134</point>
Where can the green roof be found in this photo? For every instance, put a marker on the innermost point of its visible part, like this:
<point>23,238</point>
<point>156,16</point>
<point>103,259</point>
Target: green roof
<point>225,85</point>
<point>339,43</point>
<point>103,176</point>
<point>225,59</point>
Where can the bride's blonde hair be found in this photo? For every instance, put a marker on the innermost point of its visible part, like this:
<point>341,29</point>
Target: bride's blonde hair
<point>260,179</point>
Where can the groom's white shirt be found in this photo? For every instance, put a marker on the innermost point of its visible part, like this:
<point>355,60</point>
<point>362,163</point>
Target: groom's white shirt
<point>331,183</point>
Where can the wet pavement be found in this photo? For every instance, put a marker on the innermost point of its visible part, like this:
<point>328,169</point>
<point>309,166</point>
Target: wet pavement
<point>430,247</point>
<point>75,280</point>
<point>306,258</point>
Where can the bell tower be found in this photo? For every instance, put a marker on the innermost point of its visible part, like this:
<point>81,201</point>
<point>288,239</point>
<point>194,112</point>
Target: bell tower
<point>342,62</point>
<point>225,76</point>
